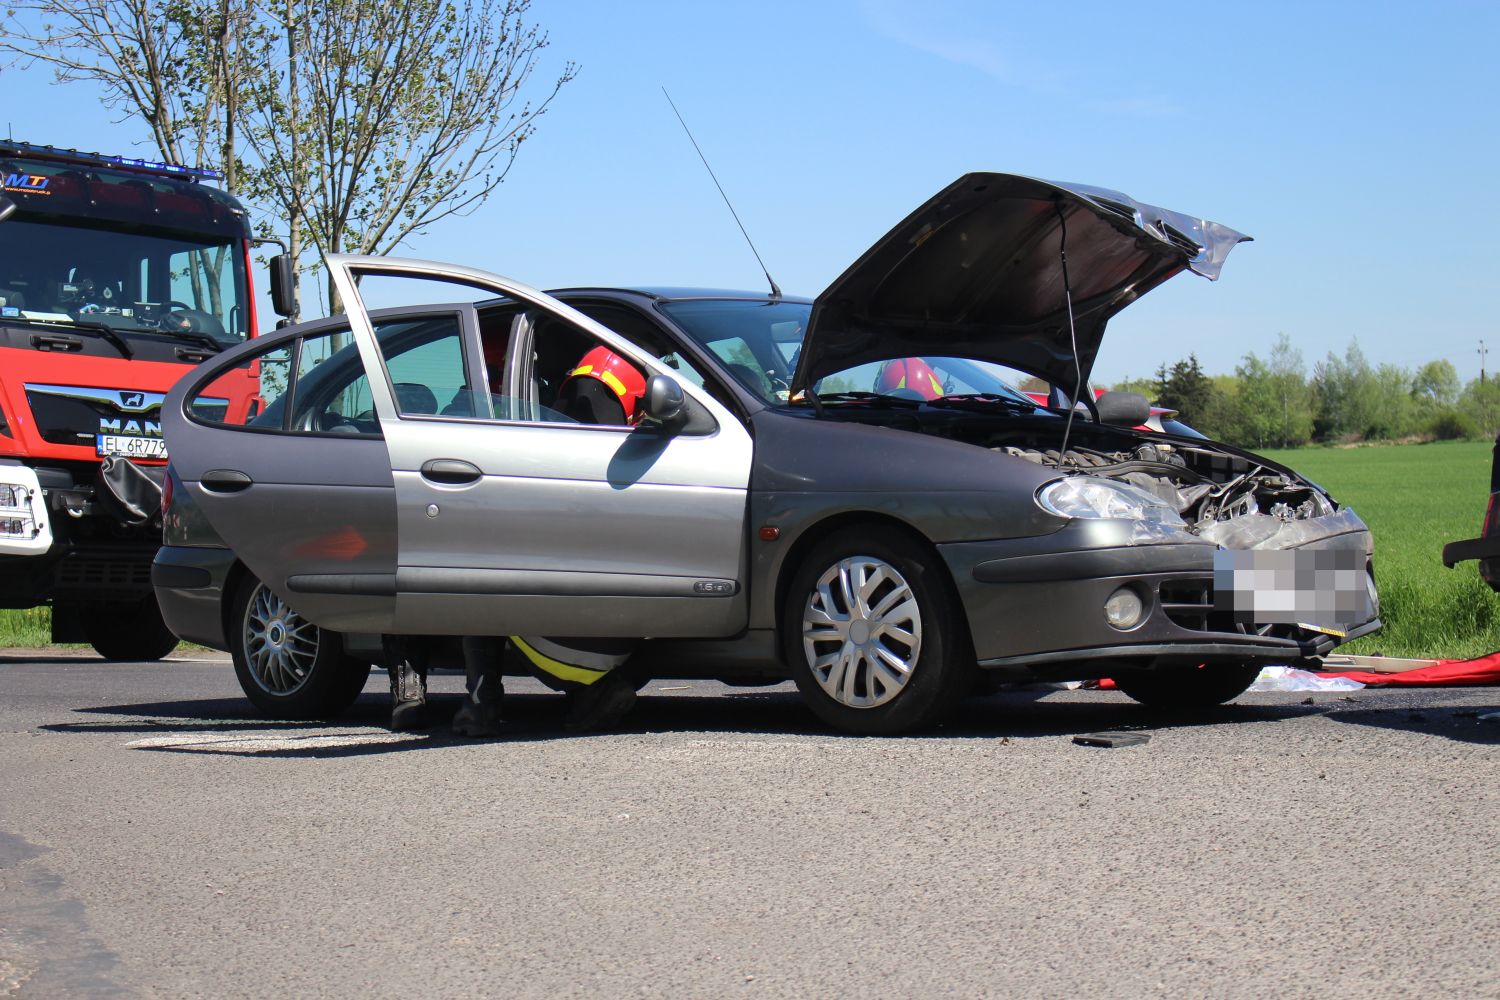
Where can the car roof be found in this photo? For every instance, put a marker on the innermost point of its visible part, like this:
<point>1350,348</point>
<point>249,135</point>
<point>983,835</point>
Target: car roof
<point>670,293</point>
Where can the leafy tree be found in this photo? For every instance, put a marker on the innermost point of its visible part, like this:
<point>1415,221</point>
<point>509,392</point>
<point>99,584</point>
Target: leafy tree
<point>1436,382</point>
<point>1273,403</point>
<point>1185,388</point>
<point>1147,387</point>
<point>1480,404</point>
<point>1347,395</point>
<point>1394,413</point>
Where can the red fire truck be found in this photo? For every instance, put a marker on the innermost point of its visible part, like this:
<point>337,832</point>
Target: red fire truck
<point>117,275</point>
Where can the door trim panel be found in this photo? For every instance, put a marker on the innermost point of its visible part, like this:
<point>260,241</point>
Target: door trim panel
<point>558,583</point>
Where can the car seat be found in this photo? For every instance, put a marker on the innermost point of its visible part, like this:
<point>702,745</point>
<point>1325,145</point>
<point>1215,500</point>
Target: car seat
<point>413,397</point>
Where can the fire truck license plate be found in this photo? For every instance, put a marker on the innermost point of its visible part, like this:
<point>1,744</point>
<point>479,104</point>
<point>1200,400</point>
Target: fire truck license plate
<point>131,447</point>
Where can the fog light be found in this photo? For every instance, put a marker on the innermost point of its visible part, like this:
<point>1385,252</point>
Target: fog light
<point>14,497</point>
<point>17,526</point>
<point>1123,609</point>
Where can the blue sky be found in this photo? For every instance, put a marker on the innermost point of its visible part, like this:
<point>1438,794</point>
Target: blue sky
<point>1358,143</point>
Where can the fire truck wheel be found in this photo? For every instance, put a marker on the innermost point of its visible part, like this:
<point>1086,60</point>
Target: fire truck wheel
<point>128,632</point>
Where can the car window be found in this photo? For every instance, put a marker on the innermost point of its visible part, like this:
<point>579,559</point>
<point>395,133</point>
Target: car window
<point>428,365</point>
<point>575,378</point>
<point>318,385</point>
<point>314,385</point>
<point>331,394</point>
<point>269,369</point>
<point>758,341</point>
<point>643,333</point>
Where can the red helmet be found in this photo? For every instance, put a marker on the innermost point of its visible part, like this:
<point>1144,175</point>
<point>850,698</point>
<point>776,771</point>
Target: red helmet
<point>622,377</point>
<point>909,373</point>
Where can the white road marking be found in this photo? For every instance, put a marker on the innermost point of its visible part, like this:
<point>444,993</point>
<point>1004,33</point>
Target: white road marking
<point>264,743</point>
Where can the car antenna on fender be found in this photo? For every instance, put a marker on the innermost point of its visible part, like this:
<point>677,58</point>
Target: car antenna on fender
<point>775,291</point>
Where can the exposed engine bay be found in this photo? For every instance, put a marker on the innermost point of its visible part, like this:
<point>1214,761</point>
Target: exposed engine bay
<point>1227,497</point>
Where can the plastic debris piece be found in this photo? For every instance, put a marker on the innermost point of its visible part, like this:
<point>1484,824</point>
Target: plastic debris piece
<point>1292,679</point>
<point>1111,740</point>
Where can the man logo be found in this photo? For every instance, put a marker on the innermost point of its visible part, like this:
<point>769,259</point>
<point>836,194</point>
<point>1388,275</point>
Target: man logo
<point>132,400</point>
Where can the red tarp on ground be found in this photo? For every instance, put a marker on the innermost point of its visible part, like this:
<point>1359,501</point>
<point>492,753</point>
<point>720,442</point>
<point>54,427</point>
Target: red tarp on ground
<point>1444,673</point>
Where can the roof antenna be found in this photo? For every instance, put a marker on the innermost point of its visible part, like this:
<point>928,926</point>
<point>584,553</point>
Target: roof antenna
<point>1062,255</point>
<point>775,291</point>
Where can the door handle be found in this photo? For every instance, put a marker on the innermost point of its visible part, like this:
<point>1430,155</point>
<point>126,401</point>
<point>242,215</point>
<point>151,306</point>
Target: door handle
<point>450,472</point>
<point>225,481</point>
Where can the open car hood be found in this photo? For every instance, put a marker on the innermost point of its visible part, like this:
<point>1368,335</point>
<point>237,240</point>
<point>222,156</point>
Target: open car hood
<point>977,273</point>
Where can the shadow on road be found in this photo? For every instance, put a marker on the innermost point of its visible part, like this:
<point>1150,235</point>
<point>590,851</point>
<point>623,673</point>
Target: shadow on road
<point>229,726</point>
<point>1461,723</point>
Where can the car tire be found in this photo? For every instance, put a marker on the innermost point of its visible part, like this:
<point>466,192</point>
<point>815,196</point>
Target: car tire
<point>884,663</point>
<point>1190,686</point>
<point>129,633</point>
<point>288,667</point>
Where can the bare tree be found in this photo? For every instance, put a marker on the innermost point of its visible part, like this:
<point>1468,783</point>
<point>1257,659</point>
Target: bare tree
<point>380,118</point>
<point>178,67</point>
<point>358,123</point>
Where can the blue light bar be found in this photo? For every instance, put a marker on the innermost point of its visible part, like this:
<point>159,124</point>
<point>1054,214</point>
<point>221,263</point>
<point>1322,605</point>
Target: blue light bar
<point>106,160</point>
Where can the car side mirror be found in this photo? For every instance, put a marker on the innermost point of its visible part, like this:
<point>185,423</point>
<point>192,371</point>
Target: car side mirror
<point>664,405</point>
<point>1127,408</point>
<point>7,208</point>
<point>282,280</point>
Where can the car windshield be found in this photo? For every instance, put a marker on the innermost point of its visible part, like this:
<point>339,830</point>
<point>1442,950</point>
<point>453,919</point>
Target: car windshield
<point>759,341</point>
<point>132,281</point>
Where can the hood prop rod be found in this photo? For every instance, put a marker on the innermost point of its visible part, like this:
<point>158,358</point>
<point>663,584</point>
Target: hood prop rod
<point>1062,256</point>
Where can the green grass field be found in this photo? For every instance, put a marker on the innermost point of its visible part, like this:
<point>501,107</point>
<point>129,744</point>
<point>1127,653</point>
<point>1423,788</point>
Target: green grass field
<point>1416,498</point>
<point>25,628</point>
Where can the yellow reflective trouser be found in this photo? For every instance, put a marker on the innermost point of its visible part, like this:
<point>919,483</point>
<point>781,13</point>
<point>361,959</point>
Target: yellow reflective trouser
<point>573,661</point>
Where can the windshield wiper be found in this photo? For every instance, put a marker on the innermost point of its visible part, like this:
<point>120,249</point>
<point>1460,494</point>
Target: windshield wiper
<point>959,399</point>
<point>108,333</point>
<point>191,337</point>
<point>118,342</point>
<point>877,398</point>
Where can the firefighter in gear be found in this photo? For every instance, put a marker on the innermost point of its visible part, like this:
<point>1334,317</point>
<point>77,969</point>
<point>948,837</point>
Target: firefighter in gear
<point>484,688</point>
<point>603,388</point>
<point>913,375</point>
<point>586,670</point>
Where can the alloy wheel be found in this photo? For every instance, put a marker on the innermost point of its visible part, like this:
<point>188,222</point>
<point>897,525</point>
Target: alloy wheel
<point>280,645</point>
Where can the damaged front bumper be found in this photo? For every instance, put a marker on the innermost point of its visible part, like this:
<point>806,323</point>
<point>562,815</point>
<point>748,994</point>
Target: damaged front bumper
<point>1039,605</point>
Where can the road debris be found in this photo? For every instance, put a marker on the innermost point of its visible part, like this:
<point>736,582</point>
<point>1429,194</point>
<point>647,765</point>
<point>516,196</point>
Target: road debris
<point>1111,740</point>
<point>1293,679</point>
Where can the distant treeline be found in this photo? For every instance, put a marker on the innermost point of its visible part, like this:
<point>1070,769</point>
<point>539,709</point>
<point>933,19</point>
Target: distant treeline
<point>1276,402</point>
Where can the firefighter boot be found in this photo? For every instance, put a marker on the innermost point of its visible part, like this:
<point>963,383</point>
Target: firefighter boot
<point>408,673</point>
<point>480,713</point>
<point>601,705</point>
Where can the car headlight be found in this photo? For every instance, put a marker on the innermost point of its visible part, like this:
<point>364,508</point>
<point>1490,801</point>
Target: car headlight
<point>1090,496</point>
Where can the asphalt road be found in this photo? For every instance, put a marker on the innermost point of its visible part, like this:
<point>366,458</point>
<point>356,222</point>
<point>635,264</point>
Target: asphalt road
<point>156,839</point>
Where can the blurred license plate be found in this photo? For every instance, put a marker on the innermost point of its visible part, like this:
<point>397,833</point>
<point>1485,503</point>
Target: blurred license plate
<point>1324,589</point>
<point>131,447</point>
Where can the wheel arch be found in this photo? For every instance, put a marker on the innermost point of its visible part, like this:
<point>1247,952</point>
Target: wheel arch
<point>815,533</point>
<point>233,580</point>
